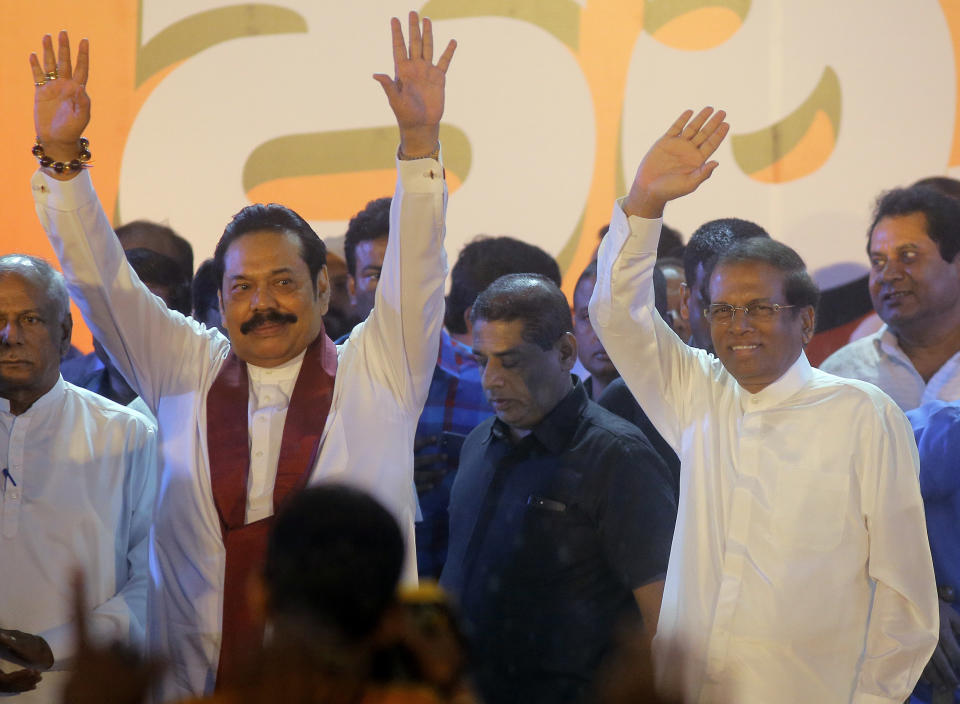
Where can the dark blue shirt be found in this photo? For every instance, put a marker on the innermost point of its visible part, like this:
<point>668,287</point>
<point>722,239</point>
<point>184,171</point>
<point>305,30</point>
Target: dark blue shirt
<point>549,537</point>
<point>936,426</point>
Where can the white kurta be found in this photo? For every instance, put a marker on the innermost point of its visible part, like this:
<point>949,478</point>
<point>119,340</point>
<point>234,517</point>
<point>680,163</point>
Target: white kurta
<point>800,569</point>
<point>383,376</point>
<point>81,492</point>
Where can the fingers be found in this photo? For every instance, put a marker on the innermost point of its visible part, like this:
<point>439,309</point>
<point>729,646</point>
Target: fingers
<point>701,136</point>
<point>64,67</point>
<point>690,131</point>
<point>677,127</point>
<point>416,46</point>
<point>49,58</point>
<point>82,71</point>
<point>399,48</point>
<point>428,40</point>
<point>35,69</point>
<point>389,86</point>
<point>714,140</point>
<point>443,63</point>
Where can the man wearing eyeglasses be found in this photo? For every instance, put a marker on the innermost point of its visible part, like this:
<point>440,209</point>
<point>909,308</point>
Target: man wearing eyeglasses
<point>800,569</point>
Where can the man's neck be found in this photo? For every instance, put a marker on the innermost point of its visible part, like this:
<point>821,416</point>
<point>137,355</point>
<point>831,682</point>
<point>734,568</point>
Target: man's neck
<point>929,348</point>
<point>22,399</point>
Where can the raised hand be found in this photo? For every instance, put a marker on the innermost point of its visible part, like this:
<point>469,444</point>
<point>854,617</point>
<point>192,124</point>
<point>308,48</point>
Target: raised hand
<point>677,162</point>
<point>61,105</point>
<point>416,91</point>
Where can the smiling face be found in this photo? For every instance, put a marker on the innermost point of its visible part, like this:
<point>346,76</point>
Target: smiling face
<point>268,303</point>
<point>32,339</point>
<point>522,381</point>
<point>757,352</point>
<point>592,355</point>
<point>911,286</point>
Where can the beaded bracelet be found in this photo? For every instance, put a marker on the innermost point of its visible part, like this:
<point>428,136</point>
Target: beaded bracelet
<point>63,166</point>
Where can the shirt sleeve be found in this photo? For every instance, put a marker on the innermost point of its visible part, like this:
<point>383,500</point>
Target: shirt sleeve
<point>638,513</point>
<point>400,339</point>
<point>157,350</point>
<point>663,373</point>
<point>904,618</point>
<point>123,616</point>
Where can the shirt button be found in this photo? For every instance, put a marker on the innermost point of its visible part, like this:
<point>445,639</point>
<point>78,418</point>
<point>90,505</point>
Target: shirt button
<point>261,419</point>
<point>14,495</point>
<point>259,454</point>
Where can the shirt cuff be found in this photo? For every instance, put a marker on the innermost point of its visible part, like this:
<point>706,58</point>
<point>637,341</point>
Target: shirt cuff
<point>644,233</point>
<point>63,195</point>
<point>421,175</point>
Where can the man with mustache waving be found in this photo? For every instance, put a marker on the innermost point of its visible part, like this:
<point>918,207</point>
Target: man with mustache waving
<point>243,422</point>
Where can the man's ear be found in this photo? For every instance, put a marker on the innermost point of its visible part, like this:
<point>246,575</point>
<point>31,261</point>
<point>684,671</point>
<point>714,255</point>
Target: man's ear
<point>223,316</point>
<point>466,320</point>
<point>66,332</point>
<point>808,320</point>
<point>322,285</point>
<point>567,347</point>
<point>684,301</point>
<point>352,289</point>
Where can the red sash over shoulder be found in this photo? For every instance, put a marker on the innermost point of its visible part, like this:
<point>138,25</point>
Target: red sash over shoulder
<point>229,453</point>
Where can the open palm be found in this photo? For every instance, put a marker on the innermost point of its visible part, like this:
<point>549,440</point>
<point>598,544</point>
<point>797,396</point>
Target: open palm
<point>677,162</point>
<point>416,92</point>
<point>61,105</point>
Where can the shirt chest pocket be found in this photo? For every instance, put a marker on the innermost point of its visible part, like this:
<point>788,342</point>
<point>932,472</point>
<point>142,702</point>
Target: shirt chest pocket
<point>810,509</point>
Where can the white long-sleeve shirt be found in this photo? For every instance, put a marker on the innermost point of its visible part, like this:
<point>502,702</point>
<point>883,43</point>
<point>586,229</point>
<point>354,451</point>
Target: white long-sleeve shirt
<point>80,495</point>
<point>383,376</point>
<point>800,569</point>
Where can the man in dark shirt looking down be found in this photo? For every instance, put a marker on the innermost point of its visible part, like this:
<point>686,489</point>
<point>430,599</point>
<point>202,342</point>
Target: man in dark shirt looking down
<point>561,515</point>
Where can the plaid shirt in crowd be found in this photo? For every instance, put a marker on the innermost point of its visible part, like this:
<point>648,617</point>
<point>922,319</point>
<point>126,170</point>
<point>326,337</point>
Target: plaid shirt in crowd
<point>455,404</point>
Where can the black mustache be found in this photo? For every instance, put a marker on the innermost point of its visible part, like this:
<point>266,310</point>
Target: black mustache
<point>266,318</point>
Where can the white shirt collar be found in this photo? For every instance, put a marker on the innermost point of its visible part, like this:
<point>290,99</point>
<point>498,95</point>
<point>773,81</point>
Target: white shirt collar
<point>276,375</point>
<point>794,379</point>
<point>52,399</point>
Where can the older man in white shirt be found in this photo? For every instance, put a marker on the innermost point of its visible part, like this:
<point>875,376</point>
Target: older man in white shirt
<point>244,421</point>
<point>77,491</point>
<point>800,569</point>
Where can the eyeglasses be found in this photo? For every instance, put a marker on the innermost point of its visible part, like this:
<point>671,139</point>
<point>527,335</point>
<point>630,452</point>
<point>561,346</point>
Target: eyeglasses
<point>723,313</point>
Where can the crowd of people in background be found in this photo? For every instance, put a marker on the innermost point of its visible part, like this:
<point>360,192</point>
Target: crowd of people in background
<point>289,475</point>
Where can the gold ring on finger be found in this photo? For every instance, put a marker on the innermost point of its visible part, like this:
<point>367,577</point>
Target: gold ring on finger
<point>51,75</point>
<point>40,83</point>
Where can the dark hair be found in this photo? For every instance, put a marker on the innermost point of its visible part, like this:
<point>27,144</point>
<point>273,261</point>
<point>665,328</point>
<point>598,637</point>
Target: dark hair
<point>532,298</point>
<point>660,292</point>
<point>277,218</point>
<point>944,184</point>
<point>484,260</point>
<point>710,240</point>
<point>204,288</point>
<point>371,223</point>
<point>799,288</point>
<point>589,273</point>
<point>941,212</point>
<point>670,244</point>
<point>334,557</point>
<point>148,235</point>
<point>160,270</point>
